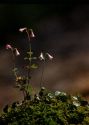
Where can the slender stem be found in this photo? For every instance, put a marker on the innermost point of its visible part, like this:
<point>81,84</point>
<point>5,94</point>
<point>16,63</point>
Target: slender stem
<point>42,75</point>
<point>28,74</point>
<point>14,64</point>
<point>28,39</point>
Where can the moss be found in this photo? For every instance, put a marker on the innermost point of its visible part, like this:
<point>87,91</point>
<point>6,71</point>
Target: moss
<point>47,108</point>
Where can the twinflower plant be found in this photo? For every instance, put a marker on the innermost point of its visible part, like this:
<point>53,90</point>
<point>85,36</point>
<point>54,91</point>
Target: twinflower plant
<point>23,82</point>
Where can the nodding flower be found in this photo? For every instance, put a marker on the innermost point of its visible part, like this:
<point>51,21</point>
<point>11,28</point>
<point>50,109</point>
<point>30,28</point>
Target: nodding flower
<point>17,52</point>
<point>41,57</point>
<point>8,46</point>
<point>31,33</point>
<point>49,56</point>
<point>22,29</point>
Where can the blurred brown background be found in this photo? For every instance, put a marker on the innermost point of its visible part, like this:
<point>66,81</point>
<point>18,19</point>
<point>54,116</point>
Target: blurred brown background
<point>61,30</point>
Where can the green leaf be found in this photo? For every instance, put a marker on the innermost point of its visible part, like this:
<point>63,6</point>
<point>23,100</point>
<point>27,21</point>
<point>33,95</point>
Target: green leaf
<point>29,88</point>
<point>30,53</point>
<point>25,58</point>
<point>34,66</point>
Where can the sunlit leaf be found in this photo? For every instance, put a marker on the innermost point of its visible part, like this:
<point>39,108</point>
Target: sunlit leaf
<point>30,59</point>
<point>34,66</point>
<point>28,88</point>
<point>30,53</point>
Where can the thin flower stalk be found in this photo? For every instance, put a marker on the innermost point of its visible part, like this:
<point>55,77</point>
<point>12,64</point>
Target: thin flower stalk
<point>21,30</point>
<point>43,58</point>
<point>42,75</point>
<point>14,52</point>
<point>28,74</point>
<point>29,57</point>
<point>30,35</point>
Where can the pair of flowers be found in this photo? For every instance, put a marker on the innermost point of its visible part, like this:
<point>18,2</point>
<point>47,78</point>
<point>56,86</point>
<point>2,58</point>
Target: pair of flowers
<point>30,34</point>
<point>41,57</point>
<point>17,53</point>
<point>14,50</point>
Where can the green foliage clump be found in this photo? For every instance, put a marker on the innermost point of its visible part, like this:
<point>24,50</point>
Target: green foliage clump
<point>47,108</point>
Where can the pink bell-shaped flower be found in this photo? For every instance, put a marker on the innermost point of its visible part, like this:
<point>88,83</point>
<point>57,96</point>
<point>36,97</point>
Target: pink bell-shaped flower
<point>41,57</point>
<point>22,29</point>
<point>8,46</point>
<point>31,33</point>
<point>49,56</point>
<point>17,53</point>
